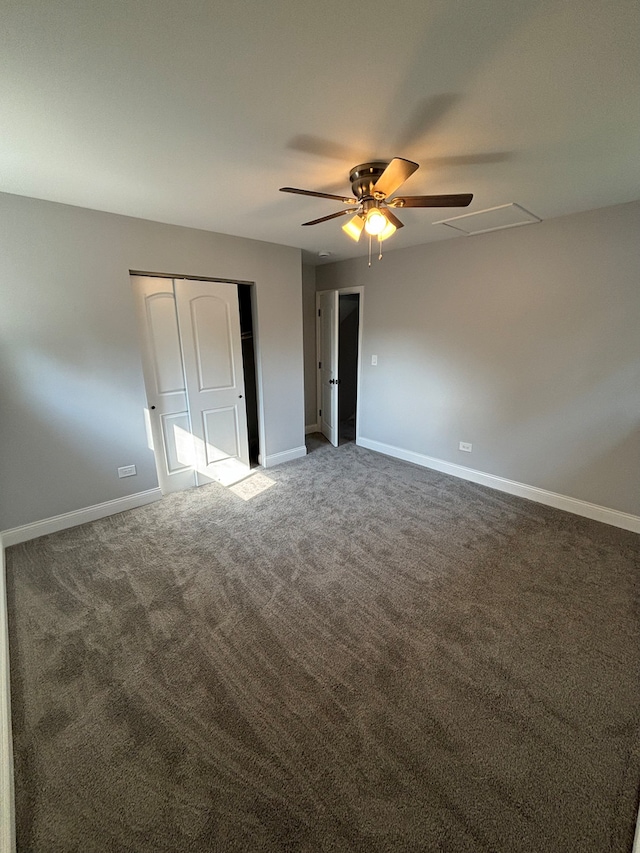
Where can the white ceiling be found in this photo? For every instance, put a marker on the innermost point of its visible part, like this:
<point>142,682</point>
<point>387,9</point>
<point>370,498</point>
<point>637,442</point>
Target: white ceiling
<point>195,112</point>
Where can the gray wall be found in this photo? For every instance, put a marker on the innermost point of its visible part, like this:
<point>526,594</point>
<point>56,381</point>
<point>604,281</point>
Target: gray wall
<point>309,333</point>
<point>71,388</point>
<point>525,342</point>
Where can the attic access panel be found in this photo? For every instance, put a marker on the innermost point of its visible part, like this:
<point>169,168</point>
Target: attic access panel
<point>491,219</point>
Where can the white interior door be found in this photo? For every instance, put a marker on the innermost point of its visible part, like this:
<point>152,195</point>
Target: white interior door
<point>328,358</point>
<point>209,322</point>
<point>165,382</point>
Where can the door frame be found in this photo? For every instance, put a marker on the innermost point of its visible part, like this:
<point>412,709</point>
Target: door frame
<point>341,291</point>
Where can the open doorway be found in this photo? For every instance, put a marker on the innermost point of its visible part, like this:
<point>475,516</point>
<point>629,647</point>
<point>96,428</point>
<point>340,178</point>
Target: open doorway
<point>338,334</point>
<point>348,331</point>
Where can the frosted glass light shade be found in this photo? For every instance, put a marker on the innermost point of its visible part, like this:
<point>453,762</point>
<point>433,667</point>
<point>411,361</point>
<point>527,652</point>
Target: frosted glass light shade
<point>354,227</point>
<point>376,222</point>
<point>389,229</point>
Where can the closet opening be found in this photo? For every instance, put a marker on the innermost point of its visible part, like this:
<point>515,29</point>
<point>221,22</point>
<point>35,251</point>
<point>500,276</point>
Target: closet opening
<point>200,366</point>
<point>245,300</point>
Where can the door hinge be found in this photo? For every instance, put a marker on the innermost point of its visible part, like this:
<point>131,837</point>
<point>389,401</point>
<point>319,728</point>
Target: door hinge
<point>319,411</point>
<point>319,312</point>
<point>319,365</point>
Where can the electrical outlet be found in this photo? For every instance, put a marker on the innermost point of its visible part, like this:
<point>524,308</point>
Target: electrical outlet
<point>374,359</point>
<point>466,446</point>
<point>127,471</point>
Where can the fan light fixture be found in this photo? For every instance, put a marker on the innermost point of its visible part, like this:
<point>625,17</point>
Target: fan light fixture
<point>357,224</point>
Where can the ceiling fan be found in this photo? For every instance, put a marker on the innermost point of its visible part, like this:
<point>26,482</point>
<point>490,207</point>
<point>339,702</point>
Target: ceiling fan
<point>372,185</point>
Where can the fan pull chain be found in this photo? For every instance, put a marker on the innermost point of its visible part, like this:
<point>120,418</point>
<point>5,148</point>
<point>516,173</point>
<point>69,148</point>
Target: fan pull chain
<point>380,253</point>
<point>369,249</point>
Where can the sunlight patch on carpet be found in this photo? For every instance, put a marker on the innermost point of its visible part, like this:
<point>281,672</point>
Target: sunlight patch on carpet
<point>252,486</point>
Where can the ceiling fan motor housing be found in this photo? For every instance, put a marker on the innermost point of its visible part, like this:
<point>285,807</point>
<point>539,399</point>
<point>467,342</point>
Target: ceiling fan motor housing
<point>363,178</point>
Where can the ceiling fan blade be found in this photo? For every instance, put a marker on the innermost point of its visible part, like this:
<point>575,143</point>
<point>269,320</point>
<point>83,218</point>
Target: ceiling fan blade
<point>331,216</point>
<point>391,217</point>
<point>467,159</point>
<point>324,148</point>
<point>426,116</point>
<point>317,195</point>
<point>453,200</point>
<point>394,175</point>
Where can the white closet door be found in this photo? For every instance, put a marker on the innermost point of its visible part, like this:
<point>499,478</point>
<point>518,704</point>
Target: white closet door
<point>209,322</point>
<point>165,383</point>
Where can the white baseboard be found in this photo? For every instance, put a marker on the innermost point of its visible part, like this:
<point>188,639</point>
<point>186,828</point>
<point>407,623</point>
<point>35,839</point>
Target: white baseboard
<point>7,810</point>
<point>284,456</point>
<point>311,428</point>
<point>78,516</point>
<point>588,510</point>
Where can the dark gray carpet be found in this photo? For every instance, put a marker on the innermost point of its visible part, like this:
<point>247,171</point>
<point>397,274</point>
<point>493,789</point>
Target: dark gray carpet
<point>366,656</point>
